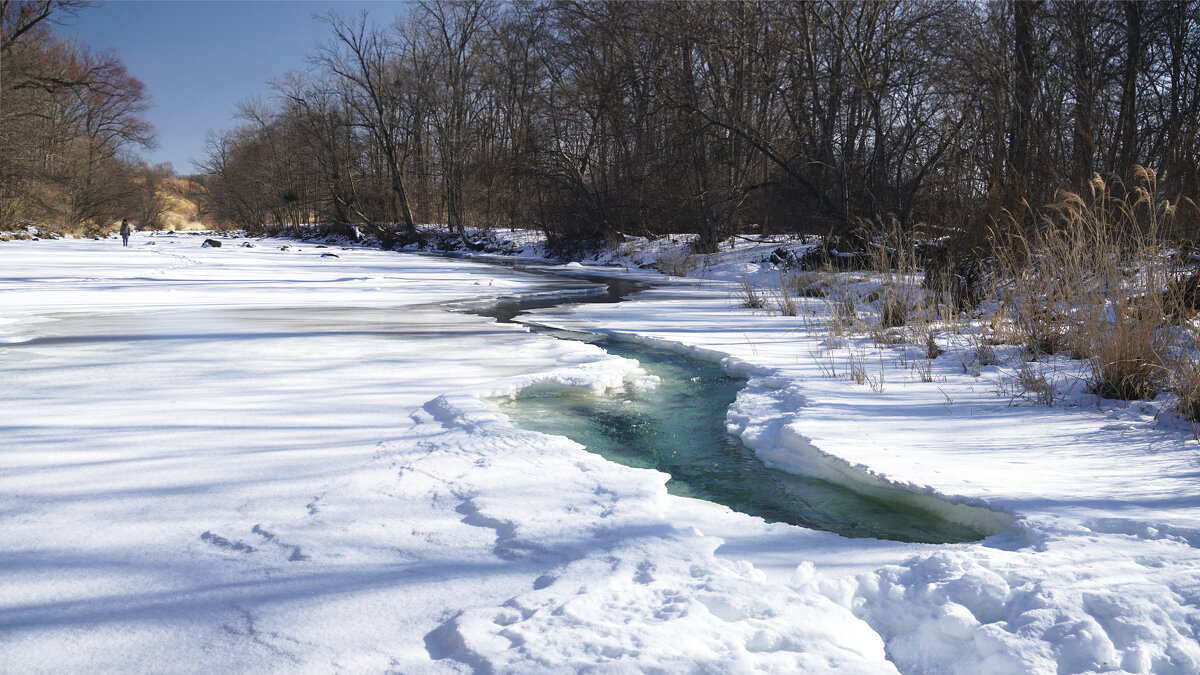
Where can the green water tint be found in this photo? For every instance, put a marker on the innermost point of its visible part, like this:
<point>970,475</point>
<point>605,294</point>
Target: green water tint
<point>679,428</point>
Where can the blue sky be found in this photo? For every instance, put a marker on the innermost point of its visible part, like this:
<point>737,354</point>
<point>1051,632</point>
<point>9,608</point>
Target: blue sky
<point>198,58</point>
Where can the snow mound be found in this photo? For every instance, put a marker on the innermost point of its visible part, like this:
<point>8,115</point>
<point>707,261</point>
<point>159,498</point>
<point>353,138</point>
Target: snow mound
<point>641,606</point>
<point>986,611</point>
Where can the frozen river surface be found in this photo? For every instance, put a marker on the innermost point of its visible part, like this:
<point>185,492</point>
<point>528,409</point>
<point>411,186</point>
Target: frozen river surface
<point>258,460</point>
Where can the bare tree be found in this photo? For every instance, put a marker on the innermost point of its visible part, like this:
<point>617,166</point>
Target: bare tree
<point>359,55</point>
<point>20,17</point>
<point>446,45</point>
<point>597,120</point>
<point>325,133</point>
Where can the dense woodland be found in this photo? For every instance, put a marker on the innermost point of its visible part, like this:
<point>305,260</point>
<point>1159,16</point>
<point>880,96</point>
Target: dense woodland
<point>593,120</point>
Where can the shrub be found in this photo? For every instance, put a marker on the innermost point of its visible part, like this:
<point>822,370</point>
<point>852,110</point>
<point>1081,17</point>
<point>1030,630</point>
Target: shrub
<point>675,262</point>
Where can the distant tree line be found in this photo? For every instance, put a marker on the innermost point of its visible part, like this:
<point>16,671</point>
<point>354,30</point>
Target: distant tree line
<point>70,120</point>
<point>593,120</point>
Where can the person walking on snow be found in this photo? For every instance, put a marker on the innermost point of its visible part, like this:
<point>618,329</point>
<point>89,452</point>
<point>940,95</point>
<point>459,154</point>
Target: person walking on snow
<point>125,231</point>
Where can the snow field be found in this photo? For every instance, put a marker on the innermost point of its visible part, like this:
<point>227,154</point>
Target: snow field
<point>255,460</point>
<point>251,459</point>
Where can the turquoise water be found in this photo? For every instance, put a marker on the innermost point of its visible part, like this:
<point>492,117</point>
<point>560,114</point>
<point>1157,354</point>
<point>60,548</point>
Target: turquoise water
<point>679,428</point>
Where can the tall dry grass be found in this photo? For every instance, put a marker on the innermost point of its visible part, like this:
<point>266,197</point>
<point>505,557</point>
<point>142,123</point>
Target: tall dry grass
<point>1184,381</point>
<point>785,302</point>
<point>1095,278</point>
<point>900,296</point>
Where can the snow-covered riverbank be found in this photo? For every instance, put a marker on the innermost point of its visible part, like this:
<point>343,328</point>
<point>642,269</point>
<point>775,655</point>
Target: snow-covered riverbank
<point>256,459</point>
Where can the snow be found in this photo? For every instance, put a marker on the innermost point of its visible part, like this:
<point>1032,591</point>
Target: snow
<point>1097,569</point>
<point>256,459</point>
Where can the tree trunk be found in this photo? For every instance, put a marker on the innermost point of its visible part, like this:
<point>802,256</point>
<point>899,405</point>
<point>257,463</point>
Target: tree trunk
<point>1127,123</point>
<point>1022,103</point>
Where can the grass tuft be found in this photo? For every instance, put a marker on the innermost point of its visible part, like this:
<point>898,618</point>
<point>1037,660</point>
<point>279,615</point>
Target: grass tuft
<point>785,302</point>
<point>748,294</point>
